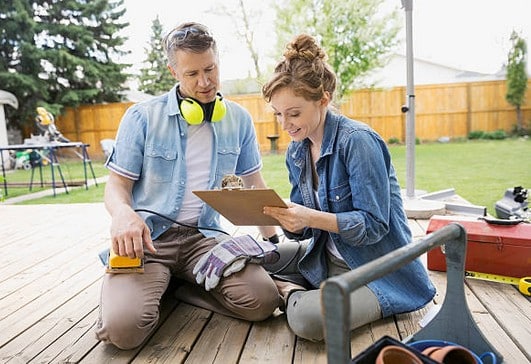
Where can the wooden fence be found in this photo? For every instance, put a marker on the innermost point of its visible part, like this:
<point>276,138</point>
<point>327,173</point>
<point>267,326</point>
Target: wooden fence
<point>442,110</point>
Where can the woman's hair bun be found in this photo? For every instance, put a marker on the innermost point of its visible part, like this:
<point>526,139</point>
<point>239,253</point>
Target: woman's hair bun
<point>304,47</point>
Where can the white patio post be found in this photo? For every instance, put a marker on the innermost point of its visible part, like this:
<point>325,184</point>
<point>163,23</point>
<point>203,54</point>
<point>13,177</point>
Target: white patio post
<point>414,206</point>
<point>6,98</point>
<point>409,108</point>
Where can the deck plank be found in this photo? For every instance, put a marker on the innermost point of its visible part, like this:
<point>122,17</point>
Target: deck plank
<point>174,339</point>
<point>417,230</point>
<point>35,252</point>
<point>409,323</point>
<point>36,339</point>
<point>309,352</point>
<point>365,336</point>
<point>47,302</point>
<point>49,275</point>
<point>486,323</point>
<point>221,342</point>
<point>269,341</point>
<point>103,354</point>
<point>72,346</point>
<point>509,308</point>
<point>49,291</point>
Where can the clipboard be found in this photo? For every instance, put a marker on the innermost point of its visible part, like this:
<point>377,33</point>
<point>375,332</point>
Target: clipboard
<point>243,206</point>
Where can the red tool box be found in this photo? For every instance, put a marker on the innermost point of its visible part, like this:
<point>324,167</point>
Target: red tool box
<point>491,248</point>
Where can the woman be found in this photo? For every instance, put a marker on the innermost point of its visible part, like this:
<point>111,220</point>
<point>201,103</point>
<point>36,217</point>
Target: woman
<point>345,198</point>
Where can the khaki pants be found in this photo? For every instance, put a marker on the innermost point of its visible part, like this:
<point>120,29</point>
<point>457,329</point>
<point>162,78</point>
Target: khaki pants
<point>129,304</point>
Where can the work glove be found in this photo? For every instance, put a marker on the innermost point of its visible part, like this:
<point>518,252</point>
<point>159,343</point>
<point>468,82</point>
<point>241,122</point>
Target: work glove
<point>230,256</point>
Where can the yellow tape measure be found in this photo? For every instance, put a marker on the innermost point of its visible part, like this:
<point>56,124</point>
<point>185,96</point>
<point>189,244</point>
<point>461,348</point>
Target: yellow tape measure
<point>524,284</point>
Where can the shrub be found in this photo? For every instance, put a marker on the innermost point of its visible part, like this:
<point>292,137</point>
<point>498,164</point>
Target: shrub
<point>495,135</point>
<point>523,131</point>
<point>393,140</point>
<point>476,134</point>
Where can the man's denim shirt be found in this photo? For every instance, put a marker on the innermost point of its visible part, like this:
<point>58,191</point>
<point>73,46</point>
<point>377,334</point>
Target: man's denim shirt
<point>358,183</point>
<point>150,147</point>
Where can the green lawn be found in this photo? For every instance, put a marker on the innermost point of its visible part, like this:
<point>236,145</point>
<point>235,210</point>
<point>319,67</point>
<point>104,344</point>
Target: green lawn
<point>73,173</point>
<point>479,171</point>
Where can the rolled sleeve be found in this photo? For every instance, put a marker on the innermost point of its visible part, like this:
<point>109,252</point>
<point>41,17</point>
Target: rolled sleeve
<point>128,154</point>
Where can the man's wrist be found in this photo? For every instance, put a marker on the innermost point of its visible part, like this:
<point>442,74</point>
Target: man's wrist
<point>272,239</point>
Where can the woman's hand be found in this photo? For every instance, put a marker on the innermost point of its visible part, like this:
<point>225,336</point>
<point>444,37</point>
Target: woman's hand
<point>294,218</point>
<point>297,217</point>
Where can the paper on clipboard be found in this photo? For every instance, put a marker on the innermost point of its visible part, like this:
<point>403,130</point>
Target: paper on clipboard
<point>243,206</point>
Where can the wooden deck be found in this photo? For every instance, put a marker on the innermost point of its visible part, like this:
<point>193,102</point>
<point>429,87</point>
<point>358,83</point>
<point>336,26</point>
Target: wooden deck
<point>49,289</point>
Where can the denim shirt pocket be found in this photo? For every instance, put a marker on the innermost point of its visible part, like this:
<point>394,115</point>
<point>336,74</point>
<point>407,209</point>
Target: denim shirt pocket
<point>339,197</point>
<point>159,163</point>
<point>227,161</point>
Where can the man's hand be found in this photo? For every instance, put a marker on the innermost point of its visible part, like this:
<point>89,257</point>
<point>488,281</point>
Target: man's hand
<point>230,256</point>
<point>129,234</point>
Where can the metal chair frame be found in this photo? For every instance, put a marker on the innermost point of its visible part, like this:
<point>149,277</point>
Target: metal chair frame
<point>453,322</point>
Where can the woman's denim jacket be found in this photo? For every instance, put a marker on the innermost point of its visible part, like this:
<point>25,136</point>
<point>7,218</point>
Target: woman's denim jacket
<point>357,182</point>
<point>150,149</point>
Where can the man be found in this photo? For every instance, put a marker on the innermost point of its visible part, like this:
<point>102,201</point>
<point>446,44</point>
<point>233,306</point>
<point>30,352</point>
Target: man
<point>184,140</point>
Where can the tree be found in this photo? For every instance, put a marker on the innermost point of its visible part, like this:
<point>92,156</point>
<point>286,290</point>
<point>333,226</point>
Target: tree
<point>155,78</point>
<point>18,55</point>
<point>517,78</point>
<point>247,34</point>
<point>356,35</point>
<point>246,19</point>
<point>60,53</point>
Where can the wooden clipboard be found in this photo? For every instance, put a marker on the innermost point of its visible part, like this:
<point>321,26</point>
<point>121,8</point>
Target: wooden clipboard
<point>243,206</point>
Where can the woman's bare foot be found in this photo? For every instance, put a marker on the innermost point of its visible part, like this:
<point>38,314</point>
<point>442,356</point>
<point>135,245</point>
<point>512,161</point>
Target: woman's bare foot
<point>285,289</point>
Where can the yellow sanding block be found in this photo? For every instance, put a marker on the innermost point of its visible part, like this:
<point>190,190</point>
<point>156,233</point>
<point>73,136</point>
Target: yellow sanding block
<point>119,264</point>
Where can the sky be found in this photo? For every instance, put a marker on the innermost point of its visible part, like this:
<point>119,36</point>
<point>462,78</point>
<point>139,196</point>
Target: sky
<point>471,35</point>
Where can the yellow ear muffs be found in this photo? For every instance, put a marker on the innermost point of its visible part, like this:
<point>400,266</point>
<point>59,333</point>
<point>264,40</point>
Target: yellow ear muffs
<point>193,112</point>
<point>220,109</point>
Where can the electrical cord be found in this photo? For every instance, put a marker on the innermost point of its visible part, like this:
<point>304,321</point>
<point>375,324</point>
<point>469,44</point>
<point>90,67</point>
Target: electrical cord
<point>295,255</point>
<point>181,223</point>
<point>299,245</point>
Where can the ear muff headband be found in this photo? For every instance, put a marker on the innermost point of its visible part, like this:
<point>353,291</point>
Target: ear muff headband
<point>194,112</point>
